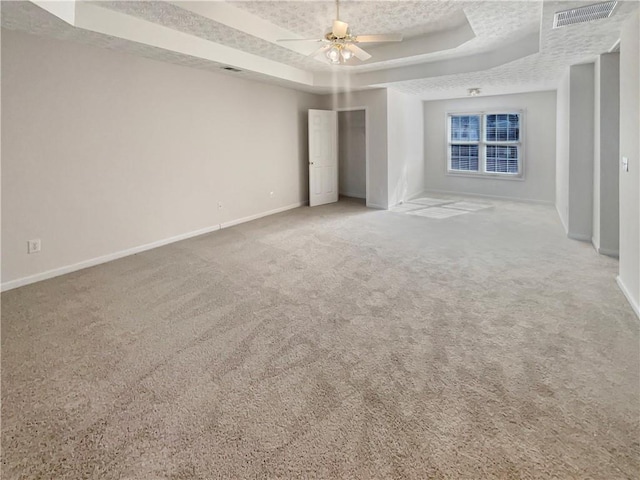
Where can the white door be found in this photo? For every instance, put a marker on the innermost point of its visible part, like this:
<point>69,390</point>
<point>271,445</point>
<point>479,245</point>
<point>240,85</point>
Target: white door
<point>323,157</point>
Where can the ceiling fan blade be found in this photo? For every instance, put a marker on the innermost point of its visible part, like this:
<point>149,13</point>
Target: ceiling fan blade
<point>388,37</point>
<point>300,40</point>
<point>358,52</point>
<point>340,29</point>
<point>322,49</point>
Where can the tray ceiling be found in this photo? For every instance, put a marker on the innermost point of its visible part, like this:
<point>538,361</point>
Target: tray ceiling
<point>310,19</point>
<point>449,46</point>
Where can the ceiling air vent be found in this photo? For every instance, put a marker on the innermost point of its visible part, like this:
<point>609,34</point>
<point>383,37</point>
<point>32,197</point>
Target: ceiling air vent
<point>231,69</point>
<point>583,14</point>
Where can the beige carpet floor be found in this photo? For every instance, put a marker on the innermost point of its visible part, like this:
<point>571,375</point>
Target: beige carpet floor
<point>333,342</point>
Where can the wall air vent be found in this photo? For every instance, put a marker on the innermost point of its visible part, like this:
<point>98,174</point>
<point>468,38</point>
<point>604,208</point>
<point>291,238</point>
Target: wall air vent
<point>583,14</point>
<point>231,69</point>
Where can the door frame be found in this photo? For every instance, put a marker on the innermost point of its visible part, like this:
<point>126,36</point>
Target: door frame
<point>366,146</point>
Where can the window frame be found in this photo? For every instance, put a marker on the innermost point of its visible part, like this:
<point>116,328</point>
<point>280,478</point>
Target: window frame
<point>483,143</point>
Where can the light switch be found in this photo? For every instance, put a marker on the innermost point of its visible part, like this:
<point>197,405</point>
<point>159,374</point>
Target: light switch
<point>625,164</point>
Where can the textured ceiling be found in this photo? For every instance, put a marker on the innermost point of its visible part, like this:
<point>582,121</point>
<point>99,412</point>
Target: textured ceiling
<point>488,22</point>
<point>27,17</point>
<point>558,48</point>
<point>185,21</point>
<point>310,19</point>
<point>495,24</point>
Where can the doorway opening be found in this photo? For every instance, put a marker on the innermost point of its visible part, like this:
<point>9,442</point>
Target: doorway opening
<point>352,153</point>
<point>338,146</point>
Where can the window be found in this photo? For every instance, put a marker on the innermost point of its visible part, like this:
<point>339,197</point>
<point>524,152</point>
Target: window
<point>485,144</point>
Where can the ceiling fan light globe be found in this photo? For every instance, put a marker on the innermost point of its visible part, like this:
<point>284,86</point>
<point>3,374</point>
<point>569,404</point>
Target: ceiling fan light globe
<point>333,54</point>
<point>346,54</point>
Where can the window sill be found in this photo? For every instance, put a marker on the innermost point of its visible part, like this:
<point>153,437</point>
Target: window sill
<point>490,176</point>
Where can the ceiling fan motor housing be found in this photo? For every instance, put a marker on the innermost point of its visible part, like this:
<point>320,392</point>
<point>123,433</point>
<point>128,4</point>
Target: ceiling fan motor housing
<point>340,29</point>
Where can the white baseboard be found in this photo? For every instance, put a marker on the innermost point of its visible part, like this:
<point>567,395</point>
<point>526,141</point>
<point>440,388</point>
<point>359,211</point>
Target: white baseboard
<point>409,197</point>
<point>262,214</point>
<point>56,272</point>
<point>412,195</point>
<point>352,195</point>
<point>379,207</point>
<point>608,253</point>
<point>496,197</point>
<point>626,293</point>
<point>579,236</point>
<point>564,225</point>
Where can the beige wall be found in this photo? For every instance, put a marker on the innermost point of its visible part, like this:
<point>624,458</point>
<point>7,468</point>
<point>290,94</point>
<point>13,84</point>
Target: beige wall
<point>606,154</point>
<point>375,103</point>
<point>562,149</point>
<point>352,154</point>
<point>539,150</point>
<point>406,146</point>
<point>581,127</point>
<point>629,278</point>
<point>104,152</point>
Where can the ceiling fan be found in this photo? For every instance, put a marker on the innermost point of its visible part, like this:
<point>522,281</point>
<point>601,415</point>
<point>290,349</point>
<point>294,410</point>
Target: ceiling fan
<point>339,45</point>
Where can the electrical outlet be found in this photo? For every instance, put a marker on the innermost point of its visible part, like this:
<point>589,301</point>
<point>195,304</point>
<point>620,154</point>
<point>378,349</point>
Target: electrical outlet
<point>219,204</point>
<point>271,194</point>
<point>34,246</point>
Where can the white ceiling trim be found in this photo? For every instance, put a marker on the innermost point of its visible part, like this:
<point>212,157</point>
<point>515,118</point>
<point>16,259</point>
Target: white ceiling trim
<point>528,45</point>
<point>424,44</point>
<point>523,54</point>
<point>109,22</point>
<point>242,20</point>
<point>92,17</point>
<point>64,10</point>
<point>249,23</point>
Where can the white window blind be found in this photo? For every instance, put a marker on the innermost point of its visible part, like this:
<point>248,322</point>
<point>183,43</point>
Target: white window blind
<point>464,146</point>
<point>485,143</point>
